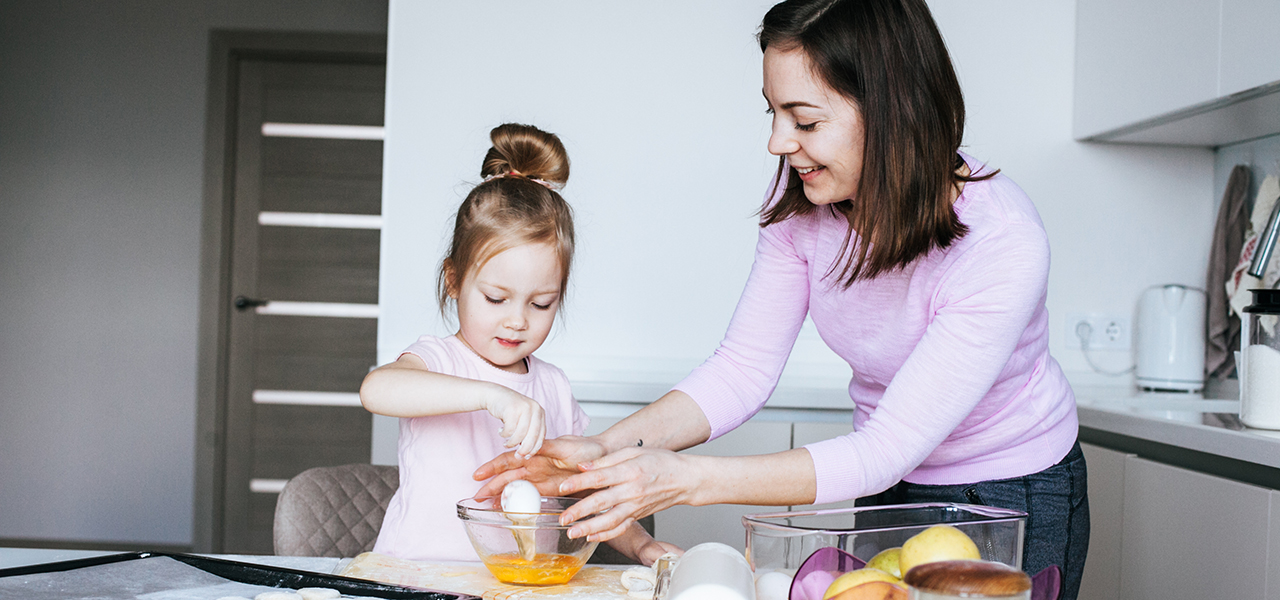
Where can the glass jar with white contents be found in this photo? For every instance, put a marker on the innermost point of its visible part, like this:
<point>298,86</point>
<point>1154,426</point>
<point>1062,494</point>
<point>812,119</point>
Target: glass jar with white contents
<point>1260,361</point>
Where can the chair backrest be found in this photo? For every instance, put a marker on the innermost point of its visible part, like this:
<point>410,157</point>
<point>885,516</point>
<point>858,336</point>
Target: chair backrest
<point>333,511</point>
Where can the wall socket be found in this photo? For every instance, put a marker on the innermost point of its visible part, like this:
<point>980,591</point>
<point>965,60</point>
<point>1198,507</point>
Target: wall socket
<point>1107,332</point>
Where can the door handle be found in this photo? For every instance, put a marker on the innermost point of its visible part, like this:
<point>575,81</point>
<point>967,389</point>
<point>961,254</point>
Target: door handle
<point>242,302</point>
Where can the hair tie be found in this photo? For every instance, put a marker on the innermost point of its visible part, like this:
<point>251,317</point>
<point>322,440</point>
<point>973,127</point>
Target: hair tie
<point>551,185</point>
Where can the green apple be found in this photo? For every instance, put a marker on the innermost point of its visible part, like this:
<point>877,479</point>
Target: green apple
<point>940,542</point>
<point>887,561</point>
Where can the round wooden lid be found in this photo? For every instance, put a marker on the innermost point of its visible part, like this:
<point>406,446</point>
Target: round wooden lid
<point>969,577</point>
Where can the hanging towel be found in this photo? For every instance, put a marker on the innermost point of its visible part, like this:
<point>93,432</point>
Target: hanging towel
<point>1240,283</point>
<point>1222,333</point>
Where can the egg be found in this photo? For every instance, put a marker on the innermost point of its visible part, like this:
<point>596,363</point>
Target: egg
<point>773,585</point>
<point>520,496</point>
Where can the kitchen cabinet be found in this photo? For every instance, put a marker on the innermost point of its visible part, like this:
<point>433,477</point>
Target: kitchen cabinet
<point>1101,579</point>
<point>1191,535</point>
<point>1142,58</point>
<point>1182,72</point>
<point>1273,551</point>
<point>1250,46</point>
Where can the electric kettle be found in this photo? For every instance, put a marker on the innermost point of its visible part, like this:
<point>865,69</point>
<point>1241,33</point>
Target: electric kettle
<point>1169,339</point>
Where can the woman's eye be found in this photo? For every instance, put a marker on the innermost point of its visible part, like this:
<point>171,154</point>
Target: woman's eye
<point>768,110</point>
<point>807,126</point>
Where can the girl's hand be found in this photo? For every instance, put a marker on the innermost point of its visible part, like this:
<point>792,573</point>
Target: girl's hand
<point>633,483</point>
<point>558,459</point>
<point>523,424</point>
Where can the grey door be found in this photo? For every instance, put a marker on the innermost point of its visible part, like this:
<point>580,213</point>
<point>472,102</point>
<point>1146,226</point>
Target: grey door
<point>303,278</point>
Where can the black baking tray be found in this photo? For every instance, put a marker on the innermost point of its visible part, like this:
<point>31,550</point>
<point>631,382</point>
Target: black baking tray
<point>253,574</point>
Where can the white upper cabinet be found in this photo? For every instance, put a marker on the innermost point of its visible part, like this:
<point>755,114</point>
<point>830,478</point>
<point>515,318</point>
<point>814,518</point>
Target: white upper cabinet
<point>1136,59</point>
<point>1184,72</point>
<point>1250,45</point>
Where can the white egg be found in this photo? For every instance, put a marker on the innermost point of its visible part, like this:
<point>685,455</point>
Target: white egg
<point>773,585</point>
<point>520,496</point>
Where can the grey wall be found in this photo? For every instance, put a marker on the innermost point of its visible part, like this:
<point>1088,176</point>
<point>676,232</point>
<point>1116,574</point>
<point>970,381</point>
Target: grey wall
<point>101,156</point>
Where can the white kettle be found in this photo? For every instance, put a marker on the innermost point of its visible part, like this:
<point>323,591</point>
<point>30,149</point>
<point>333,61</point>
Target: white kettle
<point>1169,339</point>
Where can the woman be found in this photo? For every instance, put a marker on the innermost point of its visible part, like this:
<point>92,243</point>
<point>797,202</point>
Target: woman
<point>922,268</point>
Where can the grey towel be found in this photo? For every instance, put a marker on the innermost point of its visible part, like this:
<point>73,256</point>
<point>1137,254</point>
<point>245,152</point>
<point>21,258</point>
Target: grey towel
<point>1222,333</point>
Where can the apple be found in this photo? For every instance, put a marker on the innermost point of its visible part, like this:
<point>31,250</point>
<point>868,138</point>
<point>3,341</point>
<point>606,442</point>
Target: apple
<point>887,561</point>
<point>940,542</point>
<point>856,578</point>
<point>873,590</point>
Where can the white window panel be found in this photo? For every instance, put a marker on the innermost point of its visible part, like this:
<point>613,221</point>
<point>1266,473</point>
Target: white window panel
<point>306,398</point>
<point>267,486</point>
<point>327,132</point>
<point>330,220</point>
<point>319,309</point>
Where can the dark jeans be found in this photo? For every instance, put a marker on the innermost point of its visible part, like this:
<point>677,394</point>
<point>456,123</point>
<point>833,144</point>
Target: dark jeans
<point>1056,501</point>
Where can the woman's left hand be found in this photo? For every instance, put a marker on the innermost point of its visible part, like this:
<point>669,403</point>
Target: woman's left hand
<point>632,483</point>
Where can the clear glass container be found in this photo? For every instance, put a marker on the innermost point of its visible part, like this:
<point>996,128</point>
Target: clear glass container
<point>1259,368</point>
<point>497,536</point>
<point>782,541</point>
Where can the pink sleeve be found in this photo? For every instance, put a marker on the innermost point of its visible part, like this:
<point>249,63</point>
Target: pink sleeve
<point>981,310</point>
<point>736,381</point>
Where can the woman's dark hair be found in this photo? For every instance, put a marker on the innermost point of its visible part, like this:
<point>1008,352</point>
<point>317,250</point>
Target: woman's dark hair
<point>888,57</point>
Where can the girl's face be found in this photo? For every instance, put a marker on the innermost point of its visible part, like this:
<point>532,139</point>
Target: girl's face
<point>507,307</point>
<point>819,130</point>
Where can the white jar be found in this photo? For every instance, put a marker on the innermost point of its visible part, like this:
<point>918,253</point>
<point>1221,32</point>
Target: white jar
<point>1259,370</point>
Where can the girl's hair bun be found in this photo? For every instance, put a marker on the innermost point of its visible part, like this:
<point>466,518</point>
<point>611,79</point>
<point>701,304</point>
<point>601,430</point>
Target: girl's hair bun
<point>527,150</point>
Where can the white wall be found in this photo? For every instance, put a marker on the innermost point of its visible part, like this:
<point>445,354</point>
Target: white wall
<point>660,108</point>
<point>101,162</point>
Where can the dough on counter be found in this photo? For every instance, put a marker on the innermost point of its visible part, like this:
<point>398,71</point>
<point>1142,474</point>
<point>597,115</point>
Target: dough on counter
<point>278,596</point>
<point>639,582</point>
<point>318,593</point>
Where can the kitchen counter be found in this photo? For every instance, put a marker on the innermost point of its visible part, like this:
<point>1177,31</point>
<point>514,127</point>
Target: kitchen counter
<point>1181,430</point>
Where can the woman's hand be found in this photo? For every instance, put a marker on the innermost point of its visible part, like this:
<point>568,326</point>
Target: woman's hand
<point>633,483</point>
<point>523,424</point>
<point>558,459</point>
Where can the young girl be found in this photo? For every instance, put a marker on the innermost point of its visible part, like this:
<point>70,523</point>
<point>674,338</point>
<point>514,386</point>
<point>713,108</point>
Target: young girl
<point>469,397</point>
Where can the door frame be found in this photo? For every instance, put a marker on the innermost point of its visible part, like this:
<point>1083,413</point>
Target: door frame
<point>227,48</point>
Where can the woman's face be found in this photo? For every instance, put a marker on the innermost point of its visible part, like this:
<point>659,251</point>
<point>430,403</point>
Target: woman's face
<point>815,127</point>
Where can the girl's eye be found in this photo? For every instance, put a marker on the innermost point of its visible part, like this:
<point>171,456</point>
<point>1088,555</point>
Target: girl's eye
<point>807,127</point>
<point>493,300</point>
<point>542,306</point>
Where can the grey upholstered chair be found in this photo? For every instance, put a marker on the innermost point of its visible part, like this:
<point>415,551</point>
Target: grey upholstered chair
<point>337,511</point>
<point>333,511</point>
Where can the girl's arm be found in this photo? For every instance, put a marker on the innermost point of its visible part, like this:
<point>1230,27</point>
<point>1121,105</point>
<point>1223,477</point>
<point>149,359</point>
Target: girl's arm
<point>406,388</point>
<point>636,543</point>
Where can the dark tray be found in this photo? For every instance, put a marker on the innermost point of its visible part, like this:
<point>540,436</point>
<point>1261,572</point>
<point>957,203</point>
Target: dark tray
<point>253,574</point>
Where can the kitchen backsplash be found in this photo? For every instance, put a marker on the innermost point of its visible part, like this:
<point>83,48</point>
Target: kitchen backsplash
<point>1262,155</point>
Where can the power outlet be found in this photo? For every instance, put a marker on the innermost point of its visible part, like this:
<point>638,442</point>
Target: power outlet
<point>1106,332</point>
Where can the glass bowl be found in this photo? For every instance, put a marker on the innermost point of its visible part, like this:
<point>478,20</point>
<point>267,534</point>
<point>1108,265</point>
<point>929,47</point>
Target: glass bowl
<point>782,541</point>
<point>549,556</point>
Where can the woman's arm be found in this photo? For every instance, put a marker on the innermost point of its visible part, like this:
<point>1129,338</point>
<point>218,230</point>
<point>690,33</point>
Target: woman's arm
<point>407,388</point>
<point>640,482</point>
<point>673,422</point>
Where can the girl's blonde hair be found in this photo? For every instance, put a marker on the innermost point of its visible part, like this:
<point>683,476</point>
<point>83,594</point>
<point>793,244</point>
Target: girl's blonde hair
<point>513,206</point>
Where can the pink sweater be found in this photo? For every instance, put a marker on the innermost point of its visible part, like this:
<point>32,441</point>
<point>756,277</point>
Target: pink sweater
<point>952,381</point>
<point>439,453</point>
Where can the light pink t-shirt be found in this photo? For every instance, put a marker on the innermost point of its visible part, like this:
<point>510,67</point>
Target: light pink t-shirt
<point>438,454</point>
<point>952,381</point>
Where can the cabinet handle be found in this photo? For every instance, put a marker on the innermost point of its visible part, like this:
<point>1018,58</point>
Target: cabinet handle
<point>242,302</point>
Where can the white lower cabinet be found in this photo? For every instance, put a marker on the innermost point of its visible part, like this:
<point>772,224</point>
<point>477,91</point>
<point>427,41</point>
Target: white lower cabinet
<point>1190,535</point>
<point>1101,580</point>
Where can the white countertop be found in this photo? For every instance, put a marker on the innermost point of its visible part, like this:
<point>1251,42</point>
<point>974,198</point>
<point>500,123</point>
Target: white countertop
<point>1181,420</point>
